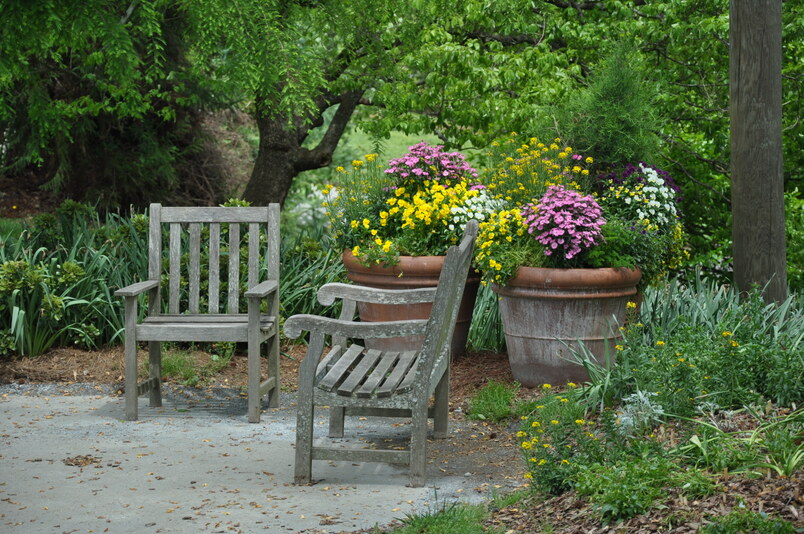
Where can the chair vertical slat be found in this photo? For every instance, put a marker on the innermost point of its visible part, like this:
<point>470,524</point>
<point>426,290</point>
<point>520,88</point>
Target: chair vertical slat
<point>253,254</point>
<point>214,266</point>
<point>154,255</point>
<point>175,267</point>
<point>272,234</point>
<point>194,275</point>
<point>234,267</point>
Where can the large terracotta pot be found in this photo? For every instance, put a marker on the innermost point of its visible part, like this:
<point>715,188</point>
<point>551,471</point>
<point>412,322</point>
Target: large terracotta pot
<point>410,273</point>
<point>546,310</point>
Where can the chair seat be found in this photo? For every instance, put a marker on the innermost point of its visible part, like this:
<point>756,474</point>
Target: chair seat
<point>368,373</point>
<point>220,327</point>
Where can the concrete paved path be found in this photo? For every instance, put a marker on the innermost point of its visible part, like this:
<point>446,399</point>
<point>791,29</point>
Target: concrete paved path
<point>69,463</point>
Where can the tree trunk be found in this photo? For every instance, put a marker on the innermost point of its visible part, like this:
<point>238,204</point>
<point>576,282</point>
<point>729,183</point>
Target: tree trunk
<point>755,83</point>
<point>275,166</point>
<point>280,156</point>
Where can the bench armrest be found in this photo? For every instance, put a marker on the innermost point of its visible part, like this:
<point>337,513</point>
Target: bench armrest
<point>297,324</point>
<point>262,290</point>
<point>329,292</point>
<point>135,289</point>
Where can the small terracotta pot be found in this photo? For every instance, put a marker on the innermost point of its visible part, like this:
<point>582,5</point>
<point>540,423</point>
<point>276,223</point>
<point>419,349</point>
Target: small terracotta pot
<point>545,311</point>
<point>411,272</point>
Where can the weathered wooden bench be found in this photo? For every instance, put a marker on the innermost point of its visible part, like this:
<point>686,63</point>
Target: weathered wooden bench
<point>194,315</point>
<point>353,380</point>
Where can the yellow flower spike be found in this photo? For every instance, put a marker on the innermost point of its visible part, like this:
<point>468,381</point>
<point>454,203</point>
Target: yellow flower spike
<point>565,461</point>
<point>660,343</point>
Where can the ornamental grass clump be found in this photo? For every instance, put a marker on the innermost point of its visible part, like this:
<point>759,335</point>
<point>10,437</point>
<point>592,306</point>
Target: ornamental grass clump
<point>414,207</point>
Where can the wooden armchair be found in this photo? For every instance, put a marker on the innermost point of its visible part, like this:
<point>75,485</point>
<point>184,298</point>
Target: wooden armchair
<point>196,315</point>
<point>353,380</point>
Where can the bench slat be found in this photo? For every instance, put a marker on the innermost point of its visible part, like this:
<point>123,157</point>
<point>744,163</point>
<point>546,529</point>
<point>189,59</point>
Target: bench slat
<point>234,267</point>
<point>340,368</point>
<point>410,376</point>
<point>194,273</point>
<point>360,372</point>
<point>214,267</point>
<point>175,267</point>
<point>253,254</point>
<point>400,370</point>
<point>387,360</point>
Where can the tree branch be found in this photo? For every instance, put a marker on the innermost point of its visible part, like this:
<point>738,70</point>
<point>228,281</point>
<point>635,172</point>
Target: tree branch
<point>321,155</point>
<point>129,12</point>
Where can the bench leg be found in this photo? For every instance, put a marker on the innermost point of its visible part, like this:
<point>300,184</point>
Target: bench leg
<point>155,373</point>
<point>304,439</point>
<point>441,411</point>
<point>254,399</point>
<point>131,359</point>
<point>418,447</point>
<point>273,370</point>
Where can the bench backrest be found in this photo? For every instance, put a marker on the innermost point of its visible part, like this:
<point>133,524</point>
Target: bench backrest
<point>441,324</point>
<point>207,256</point>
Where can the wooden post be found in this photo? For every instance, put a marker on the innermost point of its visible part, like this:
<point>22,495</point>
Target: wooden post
<point>755,101</point>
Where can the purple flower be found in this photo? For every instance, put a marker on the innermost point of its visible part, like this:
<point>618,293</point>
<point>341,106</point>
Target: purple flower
<point>426,162</point>
<point>565,221</point>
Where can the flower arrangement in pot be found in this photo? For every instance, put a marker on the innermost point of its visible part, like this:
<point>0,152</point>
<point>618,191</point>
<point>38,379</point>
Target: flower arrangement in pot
<point>566,253</point>
<point>395,223</point>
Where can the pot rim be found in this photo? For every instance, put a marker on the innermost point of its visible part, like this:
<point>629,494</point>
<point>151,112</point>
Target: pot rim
<point>416,264</point>
<point>571,278</point>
